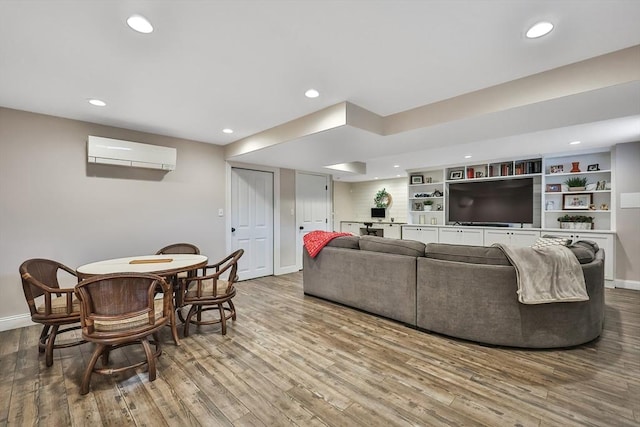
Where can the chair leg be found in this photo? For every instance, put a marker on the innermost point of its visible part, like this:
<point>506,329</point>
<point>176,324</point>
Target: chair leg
<point>151,359</point>
<point>86,377</point>
<point>223,319</point>
<point>187,322</point>
<point>174,328</point>
<point>105,356</point>
<point>51,341</point>
<point>43,338</point>
<point>233,310</point>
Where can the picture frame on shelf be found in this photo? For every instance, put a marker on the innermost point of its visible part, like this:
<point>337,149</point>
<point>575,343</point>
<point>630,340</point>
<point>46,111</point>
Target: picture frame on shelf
<point>417,179</point>
<point>428,180</point>
<point>553,188</point>
<point>594,167</point>
<point>578,201</point>
<point>459,174</point>
<point>556,169</point>
<point>418,206</point>
<point>479,174</point>
<point>601,185</point>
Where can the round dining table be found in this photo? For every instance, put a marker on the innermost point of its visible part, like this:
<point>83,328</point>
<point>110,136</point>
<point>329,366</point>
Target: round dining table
<point>167,265</point>
<point>162,265</point>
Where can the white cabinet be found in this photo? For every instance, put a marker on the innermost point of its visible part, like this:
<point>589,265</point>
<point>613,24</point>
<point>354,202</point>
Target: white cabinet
<point>393,231</point>
<point>461,236</point>
<point>604,241</point>
<point>421,234</point>
<point>509,237</point>
<point>350,227</point>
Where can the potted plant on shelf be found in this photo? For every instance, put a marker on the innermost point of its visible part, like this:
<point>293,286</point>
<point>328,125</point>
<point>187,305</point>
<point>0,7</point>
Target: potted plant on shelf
<point>428,205</point>
<point>576,222</point>
<point>576,183</point>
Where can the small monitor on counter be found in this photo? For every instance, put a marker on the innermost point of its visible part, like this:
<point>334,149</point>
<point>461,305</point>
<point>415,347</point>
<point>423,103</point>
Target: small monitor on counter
<point>378,212</point>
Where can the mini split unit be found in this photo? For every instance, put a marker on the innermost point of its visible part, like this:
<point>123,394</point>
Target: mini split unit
<point>133,154</point>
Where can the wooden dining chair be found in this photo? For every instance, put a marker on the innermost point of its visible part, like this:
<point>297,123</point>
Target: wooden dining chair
<point>49,304</point>
<point>179,248</point>
<point>118,310</point>
<point>212,290</point>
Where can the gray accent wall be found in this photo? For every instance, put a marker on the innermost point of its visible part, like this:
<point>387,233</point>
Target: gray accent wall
<point>627,170</point>
<point>55,205</point>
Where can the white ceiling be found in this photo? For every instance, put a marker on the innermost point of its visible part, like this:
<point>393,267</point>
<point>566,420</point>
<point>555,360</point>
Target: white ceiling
<point>246,64</point>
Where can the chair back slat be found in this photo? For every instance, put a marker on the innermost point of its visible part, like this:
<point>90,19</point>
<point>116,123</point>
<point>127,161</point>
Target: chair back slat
<point>37,274</point>
<point>113,298</point>
<point>179,248</point>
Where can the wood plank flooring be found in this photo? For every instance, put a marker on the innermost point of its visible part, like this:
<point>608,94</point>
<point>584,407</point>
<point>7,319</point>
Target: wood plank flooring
<point>290,359</point>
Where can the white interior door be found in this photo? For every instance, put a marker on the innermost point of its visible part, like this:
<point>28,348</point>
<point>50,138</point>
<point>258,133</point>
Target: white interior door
<point>313,206</point>
<point>252,221</point>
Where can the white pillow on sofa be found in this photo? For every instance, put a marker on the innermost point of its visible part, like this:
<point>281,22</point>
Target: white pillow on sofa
<point>544,242</point>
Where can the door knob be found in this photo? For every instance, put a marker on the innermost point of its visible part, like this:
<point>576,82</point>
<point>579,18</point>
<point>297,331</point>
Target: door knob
<point>302,227</point>
<point>233,230</point>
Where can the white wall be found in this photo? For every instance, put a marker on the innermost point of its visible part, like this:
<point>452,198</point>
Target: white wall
<point>361,195</point>
<point>54,205</point>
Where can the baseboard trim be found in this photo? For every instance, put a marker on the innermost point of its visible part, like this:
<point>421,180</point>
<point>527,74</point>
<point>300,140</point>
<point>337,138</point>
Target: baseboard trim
<point>14,322</point>
<point>287,270</point>
<point>628,284</point>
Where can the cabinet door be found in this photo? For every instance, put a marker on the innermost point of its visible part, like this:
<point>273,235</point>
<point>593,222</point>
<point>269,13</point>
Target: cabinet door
<point>350,227</point>
<point>392,231</point>
<point>524,238</point>
<point>411,233</point>
<point>472,237</point>
<point>421,234</point>
<point>450,235</point>
<point>515,238</point>
<point>496,236</point>
<point>461,236</point>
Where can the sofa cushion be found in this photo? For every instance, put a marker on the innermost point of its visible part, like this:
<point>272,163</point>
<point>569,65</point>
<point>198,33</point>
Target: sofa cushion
<point>584,250</point>
<point>392,246</point>
<point>469,254</point>
<point>349,242</point>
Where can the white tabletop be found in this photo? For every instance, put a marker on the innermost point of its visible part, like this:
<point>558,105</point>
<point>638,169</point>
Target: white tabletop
<point>161,264</point>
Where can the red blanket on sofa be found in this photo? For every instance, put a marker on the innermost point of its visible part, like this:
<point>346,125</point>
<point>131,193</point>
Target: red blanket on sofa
<point>314,241</point>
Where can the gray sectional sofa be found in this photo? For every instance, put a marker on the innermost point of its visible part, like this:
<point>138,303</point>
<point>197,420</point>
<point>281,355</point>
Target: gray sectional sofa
<point>462,291</point>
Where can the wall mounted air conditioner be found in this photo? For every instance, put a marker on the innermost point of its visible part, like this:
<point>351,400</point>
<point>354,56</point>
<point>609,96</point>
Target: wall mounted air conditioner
<point>133,154</point>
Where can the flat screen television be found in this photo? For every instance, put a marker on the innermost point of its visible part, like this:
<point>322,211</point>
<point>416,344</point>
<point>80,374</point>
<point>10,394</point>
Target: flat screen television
<point>378,212</point>
<point>496,202</point>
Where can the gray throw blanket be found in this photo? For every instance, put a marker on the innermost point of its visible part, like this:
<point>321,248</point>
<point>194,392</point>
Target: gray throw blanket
<point>549,274</point>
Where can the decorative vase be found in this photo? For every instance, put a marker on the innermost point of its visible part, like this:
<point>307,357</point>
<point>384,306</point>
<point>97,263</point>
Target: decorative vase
<point>575,167</point>
<point>427,207</point>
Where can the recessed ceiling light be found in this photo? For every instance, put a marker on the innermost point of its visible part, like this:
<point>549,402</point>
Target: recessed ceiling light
<point>468,156</point>
<point>375,177</point>
<point>398,176</point>
<point>539,29</point>
<point>312,93</point>
<point>140,24</point>
<point>396,166</point>
<point>574,142</point>
<point>97,102</point>
<point>227,130</point>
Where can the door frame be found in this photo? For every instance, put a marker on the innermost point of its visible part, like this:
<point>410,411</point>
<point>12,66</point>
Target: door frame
<point>276,208</point>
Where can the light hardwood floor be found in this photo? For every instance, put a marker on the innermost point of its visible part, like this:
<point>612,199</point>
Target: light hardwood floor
<point>296,360</point>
